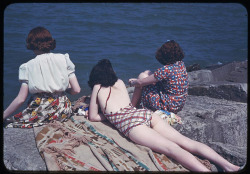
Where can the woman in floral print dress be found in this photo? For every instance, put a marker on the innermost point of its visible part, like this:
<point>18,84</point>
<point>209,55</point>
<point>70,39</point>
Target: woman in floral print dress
<point>166,88</point>
<point>47,77</point>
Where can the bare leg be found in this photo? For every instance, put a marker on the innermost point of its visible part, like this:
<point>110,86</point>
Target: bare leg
<point>137,92</point>
<point>148,137</point>
<point>190,145</point>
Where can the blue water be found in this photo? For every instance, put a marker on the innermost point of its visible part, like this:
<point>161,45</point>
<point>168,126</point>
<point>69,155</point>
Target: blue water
<point>126,33</point>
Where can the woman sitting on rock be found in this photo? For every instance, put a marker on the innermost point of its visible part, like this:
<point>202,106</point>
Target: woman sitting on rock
<point>166,88</point>
<point>110,100</point>
<point>47,77</point>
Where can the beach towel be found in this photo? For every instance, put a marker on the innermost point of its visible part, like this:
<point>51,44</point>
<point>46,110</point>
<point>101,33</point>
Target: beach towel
<point>62,144</point>
<point>80,145</point>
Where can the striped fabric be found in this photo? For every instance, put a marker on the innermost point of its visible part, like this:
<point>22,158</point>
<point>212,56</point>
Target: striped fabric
<point>129,117</point>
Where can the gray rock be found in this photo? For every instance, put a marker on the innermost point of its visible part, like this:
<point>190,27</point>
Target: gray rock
<point>194,67</point>
<point>224,82</point>
<point>231,72</point>
<point>200,77</point>
<point>20,152</point>
<point>229,91</point>
<point>221,124</point>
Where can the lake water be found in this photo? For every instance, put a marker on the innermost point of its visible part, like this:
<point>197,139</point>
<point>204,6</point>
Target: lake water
<point>126,33</point>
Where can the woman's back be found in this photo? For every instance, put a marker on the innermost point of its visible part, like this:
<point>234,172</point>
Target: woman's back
<point>114,97</point>
<point>48,72</point>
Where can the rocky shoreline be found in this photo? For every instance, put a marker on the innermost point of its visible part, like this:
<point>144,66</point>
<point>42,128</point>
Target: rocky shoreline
<point>215,113</point>
<point>227,82</point>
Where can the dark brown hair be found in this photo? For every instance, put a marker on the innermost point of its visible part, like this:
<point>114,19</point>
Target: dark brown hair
<point>102,73</point>
<point>39,38</point>
<point>169,53</point>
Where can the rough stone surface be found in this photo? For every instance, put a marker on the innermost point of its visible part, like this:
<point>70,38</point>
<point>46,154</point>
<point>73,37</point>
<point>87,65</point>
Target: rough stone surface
<point>224,82</point>
<point>231,72</point>
<point>221,124</point>
<point>229,91</point>
<point>20,152</point>
<point>194,67</point>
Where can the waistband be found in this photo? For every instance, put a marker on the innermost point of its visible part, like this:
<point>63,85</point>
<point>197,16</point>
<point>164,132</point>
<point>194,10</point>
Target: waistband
<point>50,94</point>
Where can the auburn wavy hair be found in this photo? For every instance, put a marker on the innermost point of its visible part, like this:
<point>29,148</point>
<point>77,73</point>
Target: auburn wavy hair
<point>169,53</point>
<point>102,73</point>
<point>39,38</point>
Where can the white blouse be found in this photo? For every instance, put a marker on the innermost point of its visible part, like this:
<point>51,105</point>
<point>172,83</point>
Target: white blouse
<point>47,72</point>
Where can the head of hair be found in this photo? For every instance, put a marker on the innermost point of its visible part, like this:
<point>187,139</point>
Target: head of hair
<point>39,38</point>
<point>102,73</point>
<point>169,53</point>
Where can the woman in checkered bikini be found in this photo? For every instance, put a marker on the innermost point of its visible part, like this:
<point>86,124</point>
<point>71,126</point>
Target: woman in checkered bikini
<point>110,100</point>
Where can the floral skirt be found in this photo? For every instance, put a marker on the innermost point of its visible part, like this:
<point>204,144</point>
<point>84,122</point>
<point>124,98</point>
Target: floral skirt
<point>43,108</point>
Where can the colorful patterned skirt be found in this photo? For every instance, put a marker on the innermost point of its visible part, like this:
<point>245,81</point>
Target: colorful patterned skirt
<point>43,108</point>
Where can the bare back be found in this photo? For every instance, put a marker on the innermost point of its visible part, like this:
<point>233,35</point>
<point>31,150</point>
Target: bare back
<point>115,96</point>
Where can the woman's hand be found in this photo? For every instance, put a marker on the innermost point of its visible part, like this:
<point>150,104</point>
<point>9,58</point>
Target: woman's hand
<point>18,101</point>
<point>143,82</point>
<point>134,82</point>
<point>86,114</point>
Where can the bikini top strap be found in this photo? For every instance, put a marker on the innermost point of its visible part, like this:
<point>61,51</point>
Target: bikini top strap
<point>97,94</point>
<point>107,99</point>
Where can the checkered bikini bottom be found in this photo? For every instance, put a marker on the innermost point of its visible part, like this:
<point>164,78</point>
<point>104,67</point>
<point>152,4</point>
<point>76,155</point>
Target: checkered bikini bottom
<point>129,117</point>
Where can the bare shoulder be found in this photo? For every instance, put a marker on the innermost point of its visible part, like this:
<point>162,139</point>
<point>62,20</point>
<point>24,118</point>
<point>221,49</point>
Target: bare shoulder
<point>120,83</point>
<point>96,87</point>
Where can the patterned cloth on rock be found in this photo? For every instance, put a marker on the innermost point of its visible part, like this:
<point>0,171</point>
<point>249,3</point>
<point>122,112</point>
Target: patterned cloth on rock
<point>62,146</point>
<point>76,145</point>
<point>170,92</point>
<point>169,117</point>
<point>43,108</point>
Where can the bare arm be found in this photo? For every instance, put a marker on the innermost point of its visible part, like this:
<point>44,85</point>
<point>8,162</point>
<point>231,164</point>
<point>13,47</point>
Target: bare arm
<point>74,87</point>
<point>18,101</point>
<point>143,82</point>
<point>93,107</point>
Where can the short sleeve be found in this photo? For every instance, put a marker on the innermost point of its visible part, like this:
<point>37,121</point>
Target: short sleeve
<point>70,66</point>
<point>161,73</point>
<point>23,73</point>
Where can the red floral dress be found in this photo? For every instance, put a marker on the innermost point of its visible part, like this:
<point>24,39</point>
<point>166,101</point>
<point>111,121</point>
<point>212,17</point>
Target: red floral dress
<point>170,92</point>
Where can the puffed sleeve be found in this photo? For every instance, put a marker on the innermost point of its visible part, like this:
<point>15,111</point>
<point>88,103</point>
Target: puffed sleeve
<point>161,73</point>
<point>70,66</point>
<point>23,73</point>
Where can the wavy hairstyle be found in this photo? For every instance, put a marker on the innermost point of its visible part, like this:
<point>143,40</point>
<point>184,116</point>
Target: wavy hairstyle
<point>102,73</point>
<point>39,38</point>
<point>169,53</point>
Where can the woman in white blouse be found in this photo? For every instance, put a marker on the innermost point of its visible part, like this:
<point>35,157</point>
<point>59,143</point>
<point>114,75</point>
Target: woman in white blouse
<point>47,77</point>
